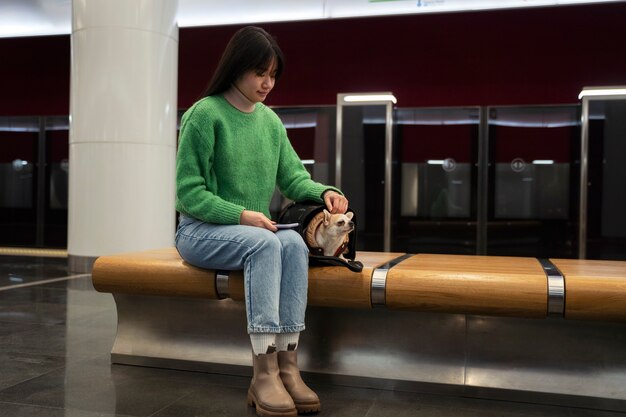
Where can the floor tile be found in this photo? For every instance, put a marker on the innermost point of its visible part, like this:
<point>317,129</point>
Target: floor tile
<point>340,401</point>
<point>57,340</point>
<point>94,385</point>
<point>23,269</point>
<point>18,367</point>
<point>21,410</point>
<point>211,401</point>
<point>580,412</point>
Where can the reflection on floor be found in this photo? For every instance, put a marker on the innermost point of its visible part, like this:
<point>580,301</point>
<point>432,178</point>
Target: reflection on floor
<point>55,339</point>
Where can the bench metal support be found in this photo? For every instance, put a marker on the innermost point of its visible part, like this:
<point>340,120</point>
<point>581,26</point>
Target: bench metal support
<point>548,361</point>
<point>556,288</point>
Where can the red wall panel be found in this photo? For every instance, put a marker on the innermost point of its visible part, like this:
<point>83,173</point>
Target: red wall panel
<point>422,142</point>
<point>518,56</point>
<point>35,76</point>
<point>533,143</point>
<point>529,56</point>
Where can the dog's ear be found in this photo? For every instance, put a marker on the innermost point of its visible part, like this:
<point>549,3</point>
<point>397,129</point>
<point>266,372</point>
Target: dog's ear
<point>326,217</point>
<point>349,215</point>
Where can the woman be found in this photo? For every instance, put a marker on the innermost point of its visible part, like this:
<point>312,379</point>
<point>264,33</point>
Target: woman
<point>233,151</point>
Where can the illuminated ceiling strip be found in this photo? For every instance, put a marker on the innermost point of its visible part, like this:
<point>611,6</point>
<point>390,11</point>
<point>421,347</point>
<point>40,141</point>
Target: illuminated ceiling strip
<point>533,123</point>
<point>366,98</point>
<point>617,91</point>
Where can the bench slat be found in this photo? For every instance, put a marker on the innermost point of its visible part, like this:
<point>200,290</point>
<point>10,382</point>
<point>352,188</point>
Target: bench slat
<point>331,286</point>
<point>596,290</point>
<point>487,285</point>
<point>152,272</point>
<point>163,272</point>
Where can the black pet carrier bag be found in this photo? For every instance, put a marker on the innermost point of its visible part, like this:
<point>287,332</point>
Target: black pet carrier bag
<point>303,213</point>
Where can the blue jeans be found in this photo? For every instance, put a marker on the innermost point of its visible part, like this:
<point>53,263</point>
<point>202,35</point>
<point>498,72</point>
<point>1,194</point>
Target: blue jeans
<point>275,268</point>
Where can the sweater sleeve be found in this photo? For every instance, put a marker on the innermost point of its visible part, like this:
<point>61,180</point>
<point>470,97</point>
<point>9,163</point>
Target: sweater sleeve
<point>194,174</point>
<point>293,180</point>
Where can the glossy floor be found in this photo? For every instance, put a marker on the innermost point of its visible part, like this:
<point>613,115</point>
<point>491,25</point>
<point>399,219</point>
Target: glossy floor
<point>56,333</point>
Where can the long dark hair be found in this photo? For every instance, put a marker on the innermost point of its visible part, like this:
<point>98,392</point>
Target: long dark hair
<point>250,48</point>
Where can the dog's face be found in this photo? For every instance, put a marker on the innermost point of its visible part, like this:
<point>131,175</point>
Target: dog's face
<point>332,232</point>
<point>337,225</point>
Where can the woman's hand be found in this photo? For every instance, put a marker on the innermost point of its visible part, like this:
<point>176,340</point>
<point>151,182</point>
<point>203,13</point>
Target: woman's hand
<point>254,218</point>
<point>335,202</point>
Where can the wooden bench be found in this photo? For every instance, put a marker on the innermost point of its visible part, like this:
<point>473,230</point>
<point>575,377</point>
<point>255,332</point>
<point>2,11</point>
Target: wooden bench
<point>405,322</point>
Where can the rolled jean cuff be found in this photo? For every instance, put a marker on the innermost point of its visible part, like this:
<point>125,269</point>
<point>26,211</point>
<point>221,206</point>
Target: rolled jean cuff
<point>294,328</point>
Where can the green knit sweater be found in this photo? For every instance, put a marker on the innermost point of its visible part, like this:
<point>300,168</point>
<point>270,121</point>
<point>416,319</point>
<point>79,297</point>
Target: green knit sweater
<point>229,161</point>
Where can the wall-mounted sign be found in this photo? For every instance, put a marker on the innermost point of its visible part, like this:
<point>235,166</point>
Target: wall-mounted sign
<point>449,164</point>
<point>518,165</point>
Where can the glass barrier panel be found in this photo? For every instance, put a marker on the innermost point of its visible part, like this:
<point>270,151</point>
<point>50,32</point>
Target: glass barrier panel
<point>606,201</point>
<point>534,164</point>
<point>435,190</point>
<point>311,131</point>
<point>18,180</point>
<point>57,181</point>
<point>363,171</point>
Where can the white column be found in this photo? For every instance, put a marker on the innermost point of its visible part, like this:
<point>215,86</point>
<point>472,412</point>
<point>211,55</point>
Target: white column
<point>123,105</point>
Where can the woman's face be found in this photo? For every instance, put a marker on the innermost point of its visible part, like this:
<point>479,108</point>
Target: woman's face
<point>256,85</point>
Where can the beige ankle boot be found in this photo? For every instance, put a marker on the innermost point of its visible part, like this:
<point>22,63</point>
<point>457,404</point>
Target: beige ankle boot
<point>267,391</point>
<point>305,399</point>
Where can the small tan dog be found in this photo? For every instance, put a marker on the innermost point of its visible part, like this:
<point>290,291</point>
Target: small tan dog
<point>327,234</point>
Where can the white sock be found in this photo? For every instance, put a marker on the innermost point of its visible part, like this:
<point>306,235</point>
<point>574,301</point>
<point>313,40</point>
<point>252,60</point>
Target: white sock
<point>262,341</point>
<point>283,340</point>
